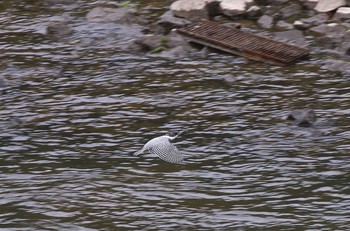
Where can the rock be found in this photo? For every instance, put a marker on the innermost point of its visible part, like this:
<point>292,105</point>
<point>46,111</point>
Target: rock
<point>146,44</point>
<point>277,2</point>
<point>343,13</point>
<point>176,52</point>
<point>329,5</point>
<point>190,9</point>
<point>314,20</point>
<point>174,39</point>
<point>168,21</point>
<point>290,10</point>
<point>60,1</point>
<point>213,7</point>
<point>273,11</point>
<point>303,117</point>
<point>298,24</point>
<point>151,42</point>
<point>283,24</point>
<point>309,4</point>
<point>293,36</point>
<point>233,8</point>
<point>262,2</point>
<point>15,121</point>
<point>344,47</point>
<point>265,21</point>
<point>254,12</point>
<point>234,25</point>
<point>58,30</point>
<point>320,29</point>
<point>118,15</point>
<point>330,35</point>
<point>331,29</point>
<point>328,42</point>
<point>337,65</point>
<point>154,43</point>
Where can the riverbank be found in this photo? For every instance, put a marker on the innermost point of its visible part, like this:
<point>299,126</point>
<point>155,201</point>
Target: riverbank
<point>296,22</point>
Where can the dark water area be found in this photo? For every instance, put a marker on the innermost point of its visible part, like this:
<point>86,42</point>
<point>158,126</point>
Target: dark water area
<point>72,112</point>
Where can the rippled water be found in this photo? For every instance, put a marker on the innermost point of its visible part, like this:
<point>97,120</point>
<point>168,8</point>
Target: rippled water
<point>73,112</point>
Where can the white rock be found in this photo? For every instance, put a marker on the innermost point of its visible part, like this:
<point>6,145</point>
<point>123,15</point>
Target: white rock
<point>299,25</point>
<point>342,13</point>
<point>329,5</point>
<point>254,12</point>
<point>235,7</point>
<point>190,9</point>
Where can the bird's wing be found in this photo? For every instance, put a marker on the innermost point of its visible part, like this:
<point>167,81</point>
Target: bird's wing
<point>167,152</point>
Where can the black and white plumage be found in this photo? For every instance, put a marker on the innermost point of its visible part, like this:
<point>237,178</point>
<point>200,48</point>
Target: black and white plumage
<point>162,147</point>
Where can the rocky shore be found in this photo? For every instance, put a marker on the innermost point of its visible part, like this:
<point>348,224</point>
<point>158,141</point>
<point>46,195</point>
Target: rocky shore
<point>323,24</point>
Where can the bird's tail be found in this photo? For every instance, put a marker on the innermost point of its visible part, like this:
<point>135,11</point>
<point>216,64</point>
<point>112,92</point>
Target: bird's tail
<point>138,152</point>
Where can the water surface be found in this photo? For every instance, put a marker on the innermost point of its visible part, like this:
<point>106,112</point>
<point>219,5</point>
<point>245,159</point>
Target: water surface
<point>73,112</point>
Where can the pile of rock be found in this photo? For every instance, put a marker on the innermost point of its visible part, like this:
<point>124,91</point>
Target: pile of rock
<point>327,22</point>
<point>329,18</point>
<point>204,9</point>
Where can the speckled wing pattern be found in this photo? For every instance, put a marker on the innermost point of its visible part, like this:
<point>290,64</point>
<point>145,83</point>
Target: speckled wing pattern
<point>167,152</point>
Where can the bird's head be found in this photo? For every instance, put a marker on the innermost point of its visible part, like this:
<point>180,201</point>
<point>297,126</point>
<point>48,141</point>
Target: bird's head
<point>175,133</point>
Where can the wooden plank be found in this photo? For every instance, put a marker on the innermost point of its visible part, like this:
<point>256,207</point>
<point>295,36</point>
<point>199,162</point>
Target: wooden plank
<point>244,44</point>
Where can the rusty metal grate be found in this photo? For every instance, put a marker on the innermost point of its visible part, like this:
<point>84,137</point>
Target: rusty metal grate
<point>243,43</point>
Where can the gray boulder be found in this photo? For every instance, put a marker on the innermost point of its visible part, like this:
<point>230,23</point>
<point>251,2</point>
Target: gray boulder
<point>344,46</point>
<point>107,14</point>
<point>295,37</point>
<point>159,45</point>
<point>337,66</point>
<point>146,43</point>
<point>276,2</point>
<point>290,10</point>
<point>52,2</point>
<point>331,36</point>
<point>306,23</point>
<point>328,42</point>
<point>283,24</point>
<point>174,39</point>
<point>309,4</point>
<point>343,13</point>
<point>265,21</point>
<point>254,12</point>
<point>175,52</point>
<point>303,117</point>
<point>168,21</point>
<point>58,30</point>
<point>330,29</point>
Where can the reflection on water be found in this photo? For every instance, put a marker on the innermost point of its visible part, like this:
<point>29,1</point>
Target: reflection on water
<point>72,115</point>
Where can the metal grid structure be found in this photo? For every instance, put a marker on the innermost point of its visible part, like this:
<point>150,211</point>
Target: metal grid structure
<point>242,43</point>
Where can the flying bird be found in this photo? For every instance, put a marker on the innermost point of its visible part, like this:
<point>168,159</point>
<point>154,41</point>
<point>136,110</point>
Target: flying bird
<point>162,147</point>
